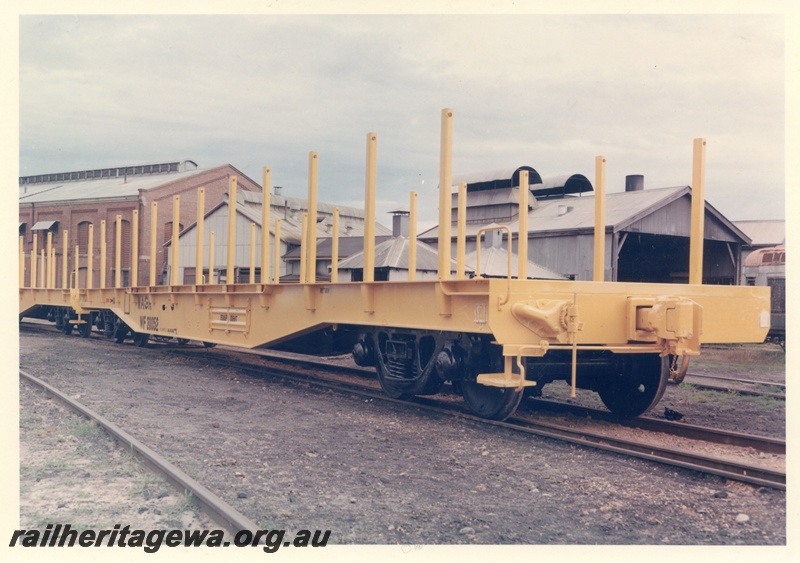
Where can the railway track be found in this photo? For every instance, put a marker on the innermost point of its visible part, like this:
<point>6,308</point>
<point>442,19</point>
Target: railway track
<point>362,383</point>
<point>764,444</point>
<point>281,368</point>
<point>760,443</point>
<point>216,508</point>
<point>741,386</point>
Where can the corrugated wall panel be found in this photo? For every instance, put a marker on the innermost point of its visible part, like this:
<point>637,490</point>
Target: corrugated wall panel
<point>675,220</point>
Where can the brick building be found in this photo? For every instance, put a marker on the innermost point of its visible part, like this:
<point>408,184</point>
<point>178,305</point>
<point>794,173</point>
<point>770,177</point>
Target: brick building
<point>73,201</point>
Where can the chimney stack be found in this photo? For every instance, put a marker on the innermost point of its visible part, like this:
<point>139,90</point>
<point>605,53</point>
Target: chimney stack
<point>634,183</point>
<point>400,223</point>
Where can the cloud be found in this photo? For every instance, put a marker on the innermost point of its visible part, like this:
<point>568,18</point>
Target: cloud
<point>549,91</point>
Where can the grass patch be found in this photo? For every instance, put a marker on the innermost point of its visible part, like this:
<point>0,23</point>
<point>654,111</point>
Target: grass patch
<point>150,486</point>
<point>186,504</point>
<point>745,357</point>
<point>728,398</point>
<point>83,428</point>
<point>698,395</point>
<point>764,402</point>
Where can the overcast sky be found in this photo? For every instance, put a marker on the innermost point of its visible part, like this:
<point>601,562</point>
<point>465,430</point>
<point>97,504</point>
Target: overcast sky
<point>548,91</point>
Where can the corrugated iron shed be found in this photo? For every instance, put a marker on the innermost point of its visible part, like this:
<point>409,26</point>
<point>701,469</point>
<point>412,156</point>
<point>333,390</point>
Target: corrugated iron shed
<point>764,233</point>
<point>289,211</point>
<point>623,210</point>
<point>348,246</point>
<point>494,263</point>
<point>393,253</point>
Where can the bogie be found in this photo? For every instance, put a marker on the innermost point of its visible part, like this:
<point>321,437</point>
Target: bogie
<point>405,363</point>
<point>412,363</point>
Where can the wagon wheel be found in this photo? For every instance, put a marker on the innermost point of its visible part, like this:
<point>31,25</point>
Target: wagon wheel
<point>636,385</point>
<point>140,339</point>
<point>66,326</point>
<point>496,403</point>
<point>209,344</point>
<point>120,331</point>
<point>183,341</point>
<point>58,317</point>
<point>85,329</point>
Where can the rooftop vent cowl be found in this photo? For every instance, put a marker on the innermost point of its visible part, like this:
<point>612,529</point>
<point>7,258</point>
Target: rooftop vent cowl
<point>634,183</point>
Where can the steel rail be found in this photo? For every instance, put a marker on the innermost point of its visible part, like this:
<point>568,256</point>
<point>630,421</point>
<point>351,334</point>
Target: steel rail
<point>765,444</point>
<point>728,469</point>
<point>692,379</point>
<point>745,392</point>
<point>220,511</point>
<point>697,462</point>
<point>735,380</point>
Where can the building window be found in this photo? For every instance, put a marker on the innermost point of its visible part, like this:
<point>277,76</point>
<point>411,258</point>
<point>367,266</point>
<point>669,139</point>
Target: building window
<point>189,277</point>
<point>243,275</point>
<point>125,244</point>
<point>83,273</point>
<point>124,278</point>
<point>750,281</point>
<point>83,237</point>
<point>168,231</point>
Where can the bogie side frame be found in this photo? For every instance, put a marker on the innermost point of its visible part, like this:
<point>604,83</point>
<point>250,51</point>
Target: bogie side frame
<point>491,338</point>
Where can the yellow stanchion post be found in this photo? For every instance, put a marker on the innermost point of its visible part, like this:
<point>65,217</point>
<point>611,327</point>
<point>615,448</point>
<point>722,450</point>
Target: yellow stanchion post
<point>599,219</point>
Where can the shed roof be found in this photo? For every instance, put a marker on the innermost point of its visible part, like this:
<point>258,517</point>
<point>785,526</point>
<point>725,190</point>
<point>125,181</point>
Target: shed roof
<point>494,263</point>
<point>256,199</point>
<point>764,233</point>
<point>347,247</point>
<point>577,213</point>
<point>393,253</point>
<point>249,205</point>
<point>494,179</point>
<point>100,188</point>
<point>509,178</point>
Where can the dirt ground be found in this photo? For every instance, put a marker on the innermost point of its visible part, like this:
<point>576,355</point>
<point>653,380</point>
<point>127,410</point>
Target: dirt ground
<point>765,416</point>
<point>72,471</point>
<point>293,457</point>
